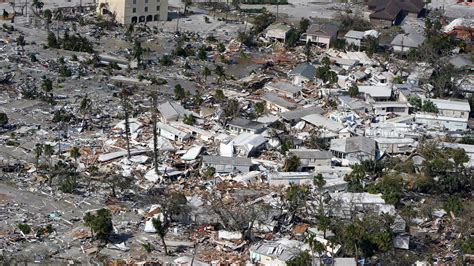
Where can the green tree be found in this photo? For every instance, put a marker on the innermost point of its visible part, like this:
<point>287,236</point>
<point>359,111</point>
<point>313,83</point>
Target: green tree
<point>165,60</point>
<point>38,152</point>
<point>220,72</point>
<point>302,259</point>
<point>209,173</point>
<point>291,164</point>
<point>325,61</point>
<point>231,109</point>
<point>206,72</point>
<point>47,16</point>
<point>415,102</point>
<point>303,25</point>
<point>20,41</point>
<point>296,197</point>
<point>259,108</point>
<point>148,247</point>
<point>429,106</point>
<point>99,223</point>
<point>85,108</point>
<point>179,92</point>
<point>154,119</point>
<point>3,119</point>
<point>467,247</point>
<point>453,204</point>
<point>125,94</point>
<point>52,41</point>
<point>47,85</point>
<point>316,139</point>
<point>219,95</point>
<point>24,228</point>
<point>202,53</point>
<point>371,45</point>
<point>189,119</point>
<point>397,80</point>
<point>161,229</point>
<point>315,246</point>
<point>353,90</point>
<point>75,153</point>
<point>37,5</point>
<point>137,51</point>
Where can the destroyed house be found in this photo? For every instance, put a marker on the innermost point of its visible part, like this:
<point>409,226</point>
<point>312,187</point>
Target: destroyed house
<point>172,111</point>
<point>318,120</point>
<point>356,37</point>
<point>171,133</point>
<point>241,125</point>
<point>285,89</point>
<point>355,149</point>
<point>275,253</point>
<point>403,43</point>
<point>287,178</point>
<point>277,31</point>
<point>296,115</point>
<point>312,157</point>
<point>302,73</point>
<point>228,164</point>
<point>278,104</point>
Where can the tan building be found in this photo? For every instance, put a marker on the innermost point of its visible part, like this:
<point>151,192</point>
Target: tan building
<point>134,11</point>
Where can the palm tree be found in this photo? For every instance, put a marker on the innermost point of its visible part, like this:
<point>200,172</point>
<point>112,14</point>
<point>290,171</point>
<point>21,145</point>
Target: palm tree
<point>154,116</point>
<point>220,73</point>
<point>124,94</point>
<point>85,108</point>
<point>206,72</point>
<point>38,152</point>
<point>161,229</point>
<point>137,51</point>
<point>47,16</point>
<point>316,247</point>
<point>75,153</point>
<point>48,152</point>
<point>20,41</point>
<point>37,4</point>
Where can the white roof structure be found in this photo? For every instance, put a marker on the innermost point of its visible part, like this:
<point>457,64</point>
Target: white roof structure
<point>172,130</point>
<point>377,91</point>
<point>319,120</point>
<point>459,22</point>
<point>451,104</point>
<point>412,40</point>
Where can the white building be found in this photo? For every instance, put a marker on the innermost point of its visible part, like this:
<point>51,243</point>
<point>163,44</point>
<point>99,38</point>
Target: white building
<point>277,31</point>
<point>134,11</point>
<point>171,133</point>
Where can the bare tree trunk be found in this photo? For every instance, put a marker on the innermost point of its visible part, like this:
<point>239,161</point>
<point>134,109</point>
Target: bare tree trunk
<point>127,132</point>
<point>155,134</point>
<point>164,245</point>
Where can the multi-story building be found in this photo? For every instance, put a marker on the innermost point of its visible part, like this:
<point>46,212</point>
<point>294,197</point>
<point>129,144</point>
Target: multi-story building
<point>134,11</point>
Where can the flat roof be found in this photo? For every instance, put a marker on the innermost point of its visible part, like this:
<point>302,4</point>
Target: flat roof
<point>452,104</point>
<point>283,86</point>
<point>376,91</point>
